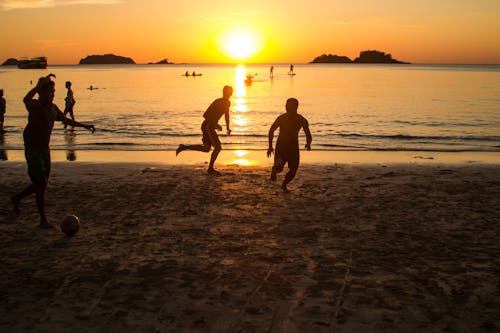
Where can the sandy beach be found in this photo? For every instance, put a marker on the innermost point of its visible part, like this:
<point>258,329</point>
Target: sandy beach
<point>410,247</point>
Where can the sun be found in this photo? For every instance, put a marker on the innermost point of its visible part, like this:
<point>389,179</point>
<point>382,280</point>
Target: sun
<point>240,44</point>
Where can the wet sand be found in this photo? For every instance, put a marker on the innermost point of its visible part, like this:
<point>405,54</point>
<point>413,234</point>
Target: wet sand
<point>167,248</point>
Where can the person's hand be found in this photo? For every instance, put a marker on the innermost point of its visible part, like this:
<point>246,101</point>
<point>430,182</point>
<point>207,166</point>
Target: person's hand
<point>90,128</point>
<point>228,131</point>
<point>270,151</point>
<point>308,146</point>
<point>218,127</point>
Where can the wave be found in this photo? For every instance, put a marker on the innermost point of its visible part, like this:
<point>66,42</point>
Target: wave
<point>413,137</point>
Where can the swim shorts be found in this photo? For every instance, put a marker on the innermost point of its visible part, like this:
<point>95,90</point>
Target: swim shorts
<point>209,135</point>
<point>38,166</point>
<point>287,152</point>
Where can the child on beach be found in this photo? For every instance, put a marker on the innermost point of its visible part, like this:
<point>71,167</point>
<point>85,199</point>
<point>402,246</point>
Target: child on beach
<point>70,102</point>
<point>3,107</point>
<point>210,138</point>
<point>42,114</point>
<point>287,145</point>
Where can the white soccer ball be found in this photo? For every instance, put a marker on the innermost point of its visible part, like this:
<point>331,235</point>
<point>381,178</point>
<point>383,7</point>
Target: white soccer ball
<point>70,225</point>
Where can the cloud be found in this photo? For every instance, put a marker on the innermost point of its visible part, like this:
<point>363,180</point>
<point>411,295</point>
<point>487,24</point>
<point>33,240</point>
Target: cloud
<point>30,4</point>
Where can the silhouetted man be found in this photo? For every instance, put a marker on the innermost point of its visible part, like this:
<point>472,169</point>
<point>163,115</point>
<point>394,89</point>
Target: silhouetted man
<point>287,145</point>
<point>210,138</point>
<point>42,114</point>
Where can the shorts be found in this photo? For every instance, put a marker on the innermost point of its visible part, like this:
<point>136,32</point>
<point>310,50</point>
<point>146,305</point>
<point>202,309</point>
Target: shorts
<point>210,137</point>
<point>287,152</point>
<point>38,166</point>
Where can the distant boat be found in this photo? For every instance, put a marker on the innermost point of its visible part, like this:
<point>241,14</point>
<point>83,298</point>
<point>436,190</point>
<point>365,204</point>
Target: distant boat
<point>39,62</point>
<point>192,74</point>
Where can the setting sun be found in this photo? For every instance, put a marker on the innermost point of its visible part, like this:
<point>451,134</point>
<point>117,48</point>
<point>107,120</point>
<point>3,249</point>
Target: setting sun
<point>240,44</point>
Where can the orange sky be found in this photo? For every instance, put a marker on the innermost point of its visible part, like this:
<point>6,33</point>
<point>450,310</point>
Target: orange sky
<point>445,31</point>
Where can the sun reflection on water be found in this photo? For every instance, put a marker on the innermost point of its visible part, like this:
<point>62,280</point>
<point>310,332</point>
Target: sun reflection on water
<point>237,157</point>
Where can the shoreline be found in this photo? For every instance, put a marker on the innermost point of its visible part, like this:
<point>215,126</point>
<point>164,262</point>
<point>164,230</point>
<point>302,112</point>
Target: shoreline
<point>259,158</point>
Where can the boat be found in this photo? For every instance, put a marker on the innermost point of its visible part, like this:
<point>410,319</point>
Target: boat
<point>39,62</point>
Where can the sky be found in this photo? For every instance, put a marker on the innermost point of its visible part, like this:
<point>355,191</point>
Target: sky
<point>270,31</point>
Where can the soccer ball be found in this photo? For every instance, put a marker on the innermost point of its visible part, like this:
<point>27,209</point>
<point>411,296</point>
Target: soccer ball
<point>70,225</point>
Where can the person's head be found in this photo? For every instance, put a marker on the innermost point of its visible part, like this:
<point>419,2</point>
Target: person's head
<point>46,90</point>
<point>227,91</point>
<point>292,104</point>
<point>68,84</point>
<point>1,92</point>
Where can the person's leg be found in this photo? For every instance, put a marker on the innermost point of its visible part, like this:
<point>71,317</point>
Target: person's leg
<point>203,148</point>
<point>288,178</point>
<point>279,160</point>
<point>40,204</point>
<point>16,199</point>
<point>277,167</point>
<point>65,113</point>
<point>213,157</point>
<point>293,166</point>
<point>39,172</point>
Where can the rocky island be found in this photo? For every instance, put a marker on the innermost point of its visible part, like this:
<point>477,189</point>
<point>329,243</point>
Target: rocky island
<point>161,62</point>
<point>365,57</point>
<point>106,59</point>
<point>10,62</point>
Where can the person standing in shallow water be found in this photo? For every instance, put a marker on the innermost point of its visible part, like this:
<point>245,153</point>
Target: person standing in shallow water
<point>287,145</point>
<point>210,123</point>
<point>70,102</point>
<point>42,114</point>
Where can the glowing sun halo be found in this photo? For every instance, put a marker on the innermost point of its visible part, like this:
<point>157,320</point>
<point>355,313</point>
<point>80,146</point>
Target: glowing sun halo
<point>240,44</point>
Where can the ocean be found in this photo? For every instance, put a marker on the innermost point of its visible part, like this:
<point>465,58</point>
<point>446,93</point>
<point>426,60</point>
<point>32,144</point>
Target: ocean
<point>445,108</point>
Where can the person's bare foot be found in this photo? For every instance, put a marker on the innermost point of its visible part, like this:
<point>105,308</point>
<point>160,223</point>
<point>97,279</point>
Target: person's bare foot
<point>213,172</point>
<point>179,149</point>
<point>44,224</point>
<point>15,204</point>
<point>285,189</point>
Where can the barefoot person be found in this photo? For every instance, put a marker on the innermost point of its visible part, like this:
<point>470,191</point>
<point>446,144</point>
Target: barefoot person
<point>287,145</point>
<point>69,102</point>
<point>41,116</point>
<point>210,138</point>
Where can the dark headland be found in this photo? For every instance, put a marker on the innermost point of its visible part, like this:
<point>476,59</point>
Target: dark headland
<point>106,59</point>
<point>365,57</point>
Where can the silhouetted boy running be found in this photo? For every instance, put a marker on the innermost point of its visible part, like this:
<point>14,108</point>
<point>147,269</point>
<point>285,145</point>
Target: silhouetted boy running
<point>287,145</point>
<point>210,138</point>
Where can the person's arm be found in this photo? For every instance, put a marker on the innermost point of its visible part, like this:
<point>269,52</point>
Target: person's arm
<point>308,135</point>
<point>273,128</point>
<point>226,117</point>
<point>71,122</point>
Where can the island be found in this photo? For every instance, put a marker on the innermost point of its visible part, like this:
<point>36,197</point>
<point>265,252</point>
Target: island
<point>161,62</point>
<point>10,62</point>
<point>106,59</point>
<point>331,59</point>
<point>365,57</point>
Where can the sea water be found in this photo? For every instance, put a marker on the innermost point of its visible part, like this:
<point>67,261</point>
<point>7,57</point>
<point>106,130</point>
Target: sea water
<point>443,108</point>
